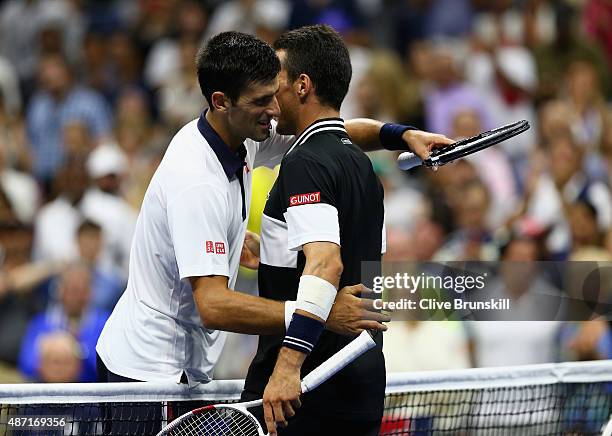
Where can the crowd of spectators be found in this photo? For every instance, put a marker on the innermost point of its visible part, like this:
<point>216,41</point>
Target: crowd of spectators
<point>91,91</point>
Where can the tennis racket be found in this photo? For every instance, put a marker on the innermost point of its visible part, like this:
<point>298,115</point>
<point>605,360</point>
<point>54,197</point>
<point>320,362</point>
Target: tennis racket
<point>443,155</point>
<point>236,420</point>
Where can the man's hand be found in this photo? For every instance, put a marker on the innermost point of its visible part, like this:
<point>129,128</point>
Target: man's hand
<point>421,143</point>
<point>350,315</point>
<point>282,394</point>
<point>249,257</point>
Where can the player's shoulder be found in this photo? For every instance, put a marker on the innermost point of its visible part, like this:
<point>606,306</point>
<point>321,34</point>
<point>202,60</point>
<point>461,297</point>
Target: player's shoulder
<point>188,161</point>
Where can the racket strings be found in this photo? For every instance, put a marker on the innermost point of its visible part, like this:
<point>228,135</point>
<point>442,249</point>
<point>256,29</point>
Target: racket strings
<point>217,421</point>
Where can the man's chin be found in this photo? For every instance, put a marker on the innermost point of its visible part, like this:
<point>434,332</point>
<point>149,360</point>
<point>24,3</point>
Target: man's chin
<point>261,136</point>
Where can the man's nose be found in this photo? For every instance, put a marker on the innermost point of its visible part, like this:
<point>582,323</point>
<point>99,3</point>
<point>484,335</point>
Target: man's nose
<point>274,108</point>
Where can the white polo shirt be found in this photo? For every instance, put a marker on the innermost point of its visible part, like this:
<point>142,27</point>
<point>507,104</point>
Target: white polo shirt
<point>192,223</point>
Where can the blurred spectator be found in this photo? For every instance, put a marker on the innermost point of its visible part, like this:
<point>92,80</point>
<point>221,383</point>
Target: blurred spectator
<point>103,203</point>
<point>72,314</point>
<point>164,60</point>
<point>107,283</point>
<point>143,156</point>
<point>473,239</point>
<point>568,45</point>
<point>562,185</point>
<point>180,97</point>
<point>425,346</point>
<point>507,78</point>
<point>264,18</point>
<point>60,358</point>
<point>503,343</point>
<point>21,23</point>
<point>154,21</point>
<point>384,92</point>
<point>500,22</point>
<point>77,138</point>
<point>449,92</point>
<point>58,101</point>
<point>492,166</point>
<point>586,103</point>
<point>125,63</point>
<point>582,217</point>
<point>56,223</point>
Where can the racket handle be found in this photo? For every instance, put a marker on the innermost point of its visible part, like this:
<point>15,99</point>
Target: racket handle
<point>335,363</point>
<point>408,160</point>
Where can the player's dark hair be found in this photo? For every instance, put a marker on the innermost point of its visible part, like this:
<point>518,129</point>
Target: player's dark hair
<point>319,52</point>
<point>231,61</point>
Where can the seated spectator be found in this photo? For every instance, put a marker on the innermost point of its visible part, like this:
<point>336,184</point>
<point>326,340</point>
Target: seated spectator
<point>56,224</point>
<point>74,314</point>
<point>472,240</point>
<point>60,358</point>
<point>107,283</point>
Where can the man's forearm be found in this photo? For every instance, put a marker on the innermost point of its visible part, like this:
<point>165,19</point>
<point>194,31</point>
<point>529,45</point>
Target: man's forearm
<point>224,309</point>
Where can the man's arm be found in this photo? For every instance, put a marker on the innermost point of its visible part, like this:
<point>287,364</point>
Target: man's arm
<point>282,393</point>
<point>364,132</point>
<point>224,309</point>
<point>373,135</point>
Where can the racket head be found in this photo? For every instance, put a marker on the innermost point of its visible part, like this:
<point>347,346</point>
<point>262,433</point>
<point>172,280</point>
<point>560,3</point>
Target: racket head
<point>217,420</point>
<point>462,148</point>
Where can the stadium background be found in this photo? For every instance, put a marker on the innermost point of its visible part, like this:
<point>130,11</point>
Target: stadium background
<point>92,91</point>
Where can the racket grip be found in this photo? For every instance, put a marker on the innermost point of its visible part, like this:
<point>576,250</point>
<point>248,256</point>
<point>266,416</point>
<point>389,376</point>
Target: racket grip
<point>408,160</point>
<point>335,363</point>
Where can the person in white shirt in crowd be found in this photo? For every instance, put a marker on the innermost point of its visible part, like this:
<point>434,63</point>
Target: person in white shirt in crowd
<point>104,204</point>
<point>534,339</point>
<point>56,223</point>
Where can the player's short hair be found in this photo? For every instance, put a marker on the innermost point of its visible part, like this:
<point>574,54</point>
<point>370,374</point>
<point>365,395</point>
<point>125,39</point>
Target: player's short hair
<point>231,61</point>
<point>319,52</point>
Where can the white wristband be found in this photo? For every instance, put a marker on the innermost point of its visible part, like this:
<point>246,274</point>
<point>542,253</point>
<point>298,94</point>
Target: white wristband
<point>316,296</point>
<point>289,309</point>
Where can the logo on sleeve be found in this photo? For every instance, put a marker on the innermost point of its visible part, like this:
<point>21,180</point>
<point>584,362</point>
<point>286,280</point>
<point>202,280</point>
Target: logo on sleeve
<point>215,247</point>
<point>313,197</point>
<point>219,248</point>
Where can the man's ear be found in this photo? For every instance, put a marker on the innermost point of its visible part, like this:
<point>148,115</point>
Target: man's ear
<point>220,101</point>
<point>304,86</point>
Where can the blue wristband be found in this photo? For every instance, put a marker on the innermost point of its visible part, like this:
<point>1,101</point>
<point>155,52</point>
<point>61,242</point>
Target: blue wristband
<point>391,136</point>
<point>303,333</point>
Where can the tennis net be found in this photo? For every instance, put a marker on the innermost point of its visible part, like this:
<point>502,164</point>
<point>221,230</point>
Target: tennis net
<point>551,399</point>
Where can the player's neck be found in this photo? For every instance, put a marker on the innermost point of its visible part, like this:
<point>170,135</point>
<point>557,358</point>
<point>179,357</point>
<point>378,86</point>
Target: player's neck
<point>220,125</point>
<point>313,113</point>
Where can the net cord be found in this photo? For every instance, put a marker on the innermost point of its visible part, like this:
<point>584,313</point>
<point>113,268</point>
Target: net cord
<point>229,390</point>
